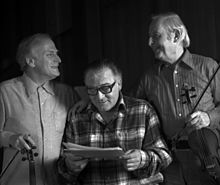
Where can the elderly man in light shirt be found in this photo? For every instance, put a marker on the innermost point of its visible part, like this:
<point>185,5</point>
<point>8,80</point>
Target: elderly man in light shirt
<point>33,111</point>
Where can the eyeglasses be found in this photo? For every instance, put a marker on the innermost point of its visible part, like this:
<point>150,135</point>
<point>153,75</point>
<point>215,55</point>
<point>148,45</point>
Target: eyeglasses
<point>105,89</point>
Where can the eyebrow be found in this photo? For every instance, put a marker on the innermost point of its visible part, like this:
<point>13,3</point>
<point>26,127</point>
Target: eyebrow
<point>51,51</point>
<point>105,84</point>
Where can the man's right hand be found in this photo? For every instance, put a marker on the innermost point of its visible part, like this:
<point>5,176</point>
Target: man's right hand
<point>75,163</point>
<point>20,141</point>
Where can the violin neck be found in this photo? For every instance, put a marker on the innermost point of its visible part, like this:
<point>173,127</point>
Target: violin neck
<point>32,175</point>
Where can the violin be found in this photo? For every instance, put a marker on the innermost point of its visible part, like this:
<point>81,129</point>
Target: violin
<point>30,157</point>
<point>204,142</point>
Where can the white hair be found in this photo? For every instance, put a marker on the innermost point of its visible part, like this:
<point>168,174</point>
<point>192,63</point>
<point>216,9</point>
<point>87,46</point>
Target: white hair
<point>170,22</point>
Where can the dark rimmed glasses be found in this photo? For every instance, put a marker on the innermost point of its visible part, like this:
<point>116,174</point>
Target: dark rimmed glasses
<point>104,89</point>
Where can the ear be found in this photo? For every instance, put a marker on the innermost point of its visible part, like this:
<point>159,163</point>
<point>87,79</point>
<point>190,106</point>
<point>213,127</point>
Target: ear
<point>177,35</point>
<point>30,62</point>
<point>119,84</point>
<point>118,80</point>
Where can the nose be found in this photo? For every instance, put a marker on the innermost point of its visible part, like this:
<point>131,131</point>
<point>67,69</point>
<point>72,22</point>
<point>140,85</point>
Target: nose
<point>100,95</point>
<point>57,59</point>
<point>150,41</point>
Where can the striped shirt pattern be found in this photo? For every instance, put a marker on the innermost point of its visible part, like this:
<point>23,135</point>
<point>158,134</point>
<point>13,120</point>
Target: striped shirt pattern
<point>163,86</point>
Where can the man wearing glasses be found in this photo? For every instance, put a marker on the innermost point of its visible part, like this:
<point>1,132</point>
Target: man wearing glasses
<point>114,120</point>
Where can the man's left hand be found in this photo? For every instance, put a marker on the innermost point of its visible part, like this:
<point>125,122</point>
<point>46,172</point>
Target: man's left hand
<point>197,120</point>
<point>131,159</point>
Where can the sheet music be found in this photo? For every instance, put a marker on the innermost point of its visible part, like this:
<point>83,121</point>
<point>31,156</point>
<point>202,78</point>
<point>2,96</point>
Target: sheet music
<point>93,152</point>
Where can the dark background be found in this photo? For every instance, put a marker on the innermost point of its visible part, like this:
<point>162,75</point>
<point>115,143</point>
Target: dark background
<point>86,29</point>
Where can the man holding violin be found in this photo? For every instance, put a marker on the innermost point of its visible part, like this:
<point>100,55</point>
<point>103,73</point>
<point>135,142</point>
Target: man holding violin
<point>173,85</point>
<point>33,111</point>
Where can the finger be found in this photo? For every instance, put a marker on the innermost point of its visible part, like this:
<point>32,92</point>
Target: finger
<point>24,143</point>
<point>132,166</point>
<point>80,167</point>
<point>17,144</point>
<point>192,121</point>
<point>192,117</point>
<point>83,165</point>
<point>195,114</point>
<point>30,141</point>
<point>21,144</point>
<point>128,154</point>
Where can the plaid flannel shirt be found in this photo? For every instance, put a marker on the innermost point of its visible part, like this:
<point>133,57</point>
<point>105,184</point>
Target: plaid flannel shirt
<point>135,126</point>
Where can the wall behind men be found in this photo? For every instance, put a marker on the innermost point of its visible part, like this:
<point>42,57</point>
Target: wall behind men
<point>124,25</point>
<point>86,29</point>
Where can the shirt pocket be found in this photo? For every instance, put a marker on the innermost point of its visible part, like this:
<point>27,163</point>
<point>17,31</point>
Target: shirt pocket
<point>59,119</point>
<point>129,139</point>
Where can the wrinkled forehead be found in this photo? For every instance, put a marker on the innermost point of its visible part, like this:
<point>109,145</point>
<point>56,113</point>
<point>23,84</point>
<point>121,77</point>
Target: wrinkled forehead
<point>156,26</point>
<point>99,77</point>
<point>43,45</point>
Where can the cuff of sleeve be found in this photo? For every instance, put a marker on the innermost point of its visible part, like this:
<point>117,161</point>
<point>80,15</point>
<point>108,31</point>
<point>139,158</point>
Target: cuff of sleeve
<point>65,172</point>
<point>214,119</point>
<point>144,158</point>
<point>5,138</point>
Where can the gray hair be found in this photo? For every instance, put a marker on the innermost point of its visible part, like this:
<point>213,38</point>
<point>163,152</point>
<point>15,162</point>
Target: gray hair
<point>170,22</point>
<point>26,45</point>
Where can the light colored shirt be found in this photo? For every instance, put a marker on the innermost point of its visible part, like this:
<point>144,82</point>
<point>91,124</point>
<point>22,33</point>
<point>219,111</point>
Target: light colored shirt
<point>41,112</point>
<point>135,125</point>
<point>162,86</point>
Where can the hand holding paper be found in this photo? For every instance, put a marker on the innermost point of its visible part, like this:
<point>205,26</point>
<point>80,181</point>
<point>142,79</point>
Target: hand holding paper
<point>75,163</point>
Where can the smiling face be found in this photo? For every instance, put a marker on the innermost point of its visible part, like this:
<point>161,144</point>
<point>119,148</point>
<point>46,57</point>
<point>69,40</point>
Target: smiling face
<point>162,44</point>
<point>46,60</point>
<point>103,77</point>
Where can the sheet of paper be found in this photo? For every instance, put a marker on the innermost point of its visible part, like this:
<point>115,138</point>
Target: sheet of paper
<point>93,152</point>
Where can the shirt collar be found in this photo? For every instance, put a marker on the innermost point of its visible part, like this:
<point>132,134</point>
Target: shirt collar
<point>31,87</point>
<point>186,58</point>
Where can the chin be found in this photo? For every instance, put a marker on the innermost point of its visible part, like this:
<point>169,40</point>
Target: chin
<point>53,76</point>
<point>104,109</point>
<point>56,74</point>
